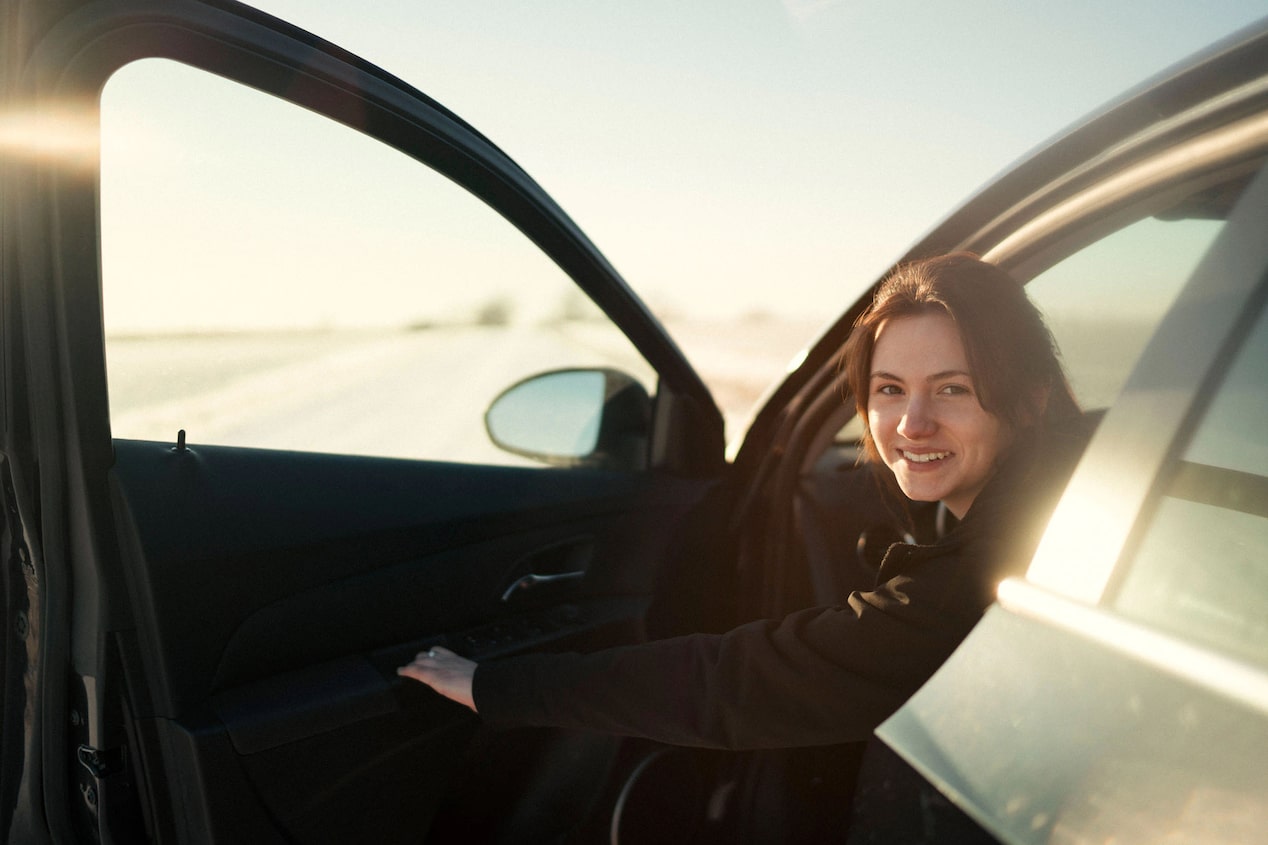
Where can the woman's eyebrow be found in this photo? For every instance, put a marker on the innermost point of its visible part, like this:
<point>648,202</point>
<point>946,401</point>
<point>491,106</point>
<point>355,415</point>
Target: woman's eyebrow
<point>881,374</point>
<point>950,374</point>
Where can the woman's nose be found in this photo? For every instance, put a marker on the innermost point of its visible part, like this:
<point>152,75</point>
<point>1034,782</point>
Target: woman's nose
<point>916,422</point>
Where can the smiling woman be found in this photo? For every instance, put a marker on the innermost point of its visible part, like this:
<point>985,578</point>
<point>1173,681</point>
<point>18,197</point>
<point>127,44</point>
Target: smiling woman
<point>924,415</point>
<point>957,377</point>
<point>947,375</point>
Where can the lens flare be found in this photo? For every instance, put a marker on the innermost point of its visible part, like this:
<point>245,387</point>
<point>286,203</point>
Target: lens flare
<point>67,134</point>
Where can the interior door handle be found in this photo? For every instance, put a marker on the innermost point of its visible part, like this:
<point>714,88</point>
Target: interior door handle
<point>532,579</point>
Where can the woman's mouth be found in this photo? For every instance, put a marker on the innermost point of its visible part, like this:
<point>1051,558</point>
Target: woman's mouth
<point>923,457</point>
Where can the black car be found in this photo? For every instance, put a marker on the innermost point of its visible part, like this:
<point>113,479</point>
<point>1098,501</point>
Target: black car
<point>232,510</point>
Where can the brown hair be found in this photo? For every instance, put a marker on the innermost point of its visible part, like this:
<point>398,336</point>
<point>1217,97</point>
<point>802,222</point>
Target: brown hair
<point>1011,353</point>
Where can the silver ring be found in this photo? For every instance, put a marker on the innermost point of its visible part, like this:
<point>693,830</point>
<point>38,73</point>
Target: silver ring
<point>431,652</point>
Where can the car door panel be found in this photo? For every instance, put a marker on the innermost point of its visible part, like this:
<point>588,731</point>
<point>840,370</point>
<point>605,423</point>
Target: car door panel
<point>282,589</point>
<point>311,554</point>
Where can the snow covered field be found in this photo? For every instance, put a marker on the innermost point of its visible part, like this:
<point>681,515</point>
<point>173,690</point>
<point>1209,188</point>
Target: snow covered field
<point>402,394</point>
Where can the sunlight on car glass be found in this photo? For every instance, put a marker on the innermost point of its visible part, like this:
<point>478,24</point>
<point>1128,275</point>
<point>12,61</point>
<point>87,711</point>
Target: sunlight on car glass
<point>272,278</point>
<point>57,132</point>
<point>1081,543</point>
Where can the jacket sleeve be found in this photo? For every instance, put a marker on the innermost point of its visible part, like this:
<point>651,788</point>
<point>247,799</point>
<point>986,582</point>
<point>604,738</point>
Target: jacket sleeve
<point>819,676</point>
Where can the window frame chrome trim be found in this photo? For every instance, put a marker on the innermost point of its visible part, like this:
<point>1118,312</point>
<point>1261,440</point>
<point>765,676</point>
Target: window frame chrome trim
<point>1028,249</point>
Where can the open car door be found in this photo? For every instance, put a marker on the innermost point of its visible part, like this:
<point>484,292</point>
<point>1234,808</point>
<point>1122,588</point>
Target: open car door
<point>233,503</point>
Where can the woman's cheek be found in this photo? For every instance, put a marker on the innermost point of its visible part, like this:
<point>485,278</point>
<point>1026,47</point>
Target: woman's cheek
<point>881,425</point>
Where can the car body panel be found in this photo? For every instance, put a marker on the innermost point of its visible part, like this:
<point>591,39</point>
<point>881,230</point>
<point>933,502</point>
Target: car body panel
<point>1095,743</point>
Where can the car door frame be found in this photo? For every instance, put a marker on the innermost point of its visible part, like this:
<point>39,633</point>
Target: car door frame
<point>57,447</point>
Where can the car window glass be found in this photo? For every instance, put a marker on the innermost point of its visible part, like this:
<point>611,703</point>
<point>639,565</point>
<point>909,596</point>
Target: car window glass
<point>1201,569</point>
<point>1103,302</point>
<point>274,279</point>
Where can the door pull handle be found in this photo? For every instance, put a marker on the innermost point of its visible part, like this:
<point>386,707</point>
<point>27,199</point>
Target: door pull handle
<point>531,580</point>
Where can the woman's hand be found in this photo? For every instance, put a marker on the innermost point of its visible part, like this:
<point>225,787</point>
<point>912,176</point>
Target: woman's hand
<point>443,671</point>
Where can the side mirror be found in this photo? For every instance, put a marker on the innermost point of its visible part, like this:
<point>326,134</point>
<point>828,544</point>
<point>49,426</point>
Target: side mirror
<point>592,418</point>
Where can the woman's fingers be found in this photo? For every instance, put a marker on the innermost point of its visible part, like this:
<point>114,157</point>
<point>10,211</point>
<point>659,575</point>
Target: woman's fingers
<point>444,671</point>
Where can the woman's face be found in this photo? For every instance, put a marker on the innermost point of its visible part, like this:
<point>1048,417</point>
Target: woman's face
<point>924,414</point>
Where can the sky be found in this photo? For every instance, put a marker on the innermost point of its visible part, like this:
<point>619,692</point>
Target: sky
<point>767,156</point>
<point>749,166</point>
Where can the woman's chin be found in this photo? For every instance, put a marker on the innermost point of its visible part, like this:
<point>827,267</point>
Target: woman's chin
<point>920,492</point>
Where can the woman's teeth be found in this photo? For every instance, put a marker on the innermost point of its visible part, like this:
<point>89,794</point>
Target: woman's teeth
<point>925,457</point>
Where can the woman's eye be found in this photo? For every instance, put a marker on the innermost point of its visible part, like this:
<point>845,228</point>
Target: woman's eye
<point>955,390</point>
<point>889,390</point>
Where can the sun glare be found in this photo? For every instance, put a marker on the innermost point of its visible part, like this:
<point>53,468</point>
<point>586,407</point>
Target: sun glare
<point>52,134</point>
<point>1081,544</point>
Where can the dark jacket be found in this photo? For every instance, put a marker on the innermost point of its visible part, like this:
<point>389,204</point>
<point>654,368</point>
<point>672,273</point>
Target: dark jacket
<point>816,677</point>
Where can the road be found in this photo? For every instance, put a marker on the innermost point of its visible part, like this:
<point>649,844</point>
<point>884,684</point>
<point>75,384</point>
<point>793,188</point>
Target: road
<point>417,394</point>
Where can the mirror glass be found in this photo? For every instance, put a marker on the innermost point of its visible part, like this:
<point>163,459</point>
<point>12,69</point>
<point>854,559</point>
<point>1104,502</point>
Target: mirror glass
<point>555,415</point>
